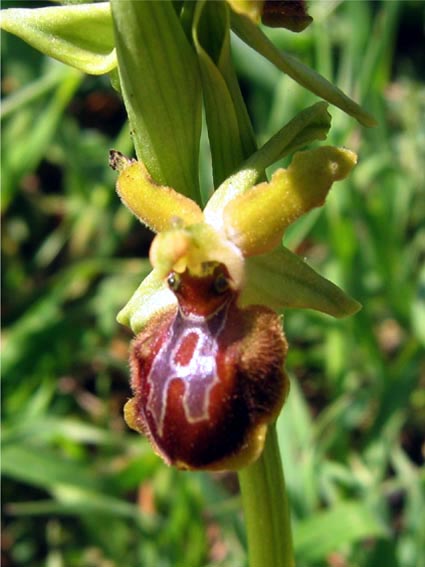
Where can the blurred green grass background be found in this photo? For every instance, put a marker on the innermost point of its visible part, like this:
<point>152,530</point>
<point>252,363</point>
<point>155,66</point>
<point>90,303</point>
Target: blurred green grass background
<point>80,489</point>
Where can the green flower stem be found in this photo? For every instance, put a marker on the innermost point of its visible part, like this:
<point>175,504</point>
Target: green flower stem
<point>266,508</point>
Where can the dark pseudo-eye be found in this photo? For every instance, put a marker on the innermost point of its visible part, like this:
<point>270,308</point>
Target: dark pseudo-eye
<point>173,281</point>
<point>221,283</point>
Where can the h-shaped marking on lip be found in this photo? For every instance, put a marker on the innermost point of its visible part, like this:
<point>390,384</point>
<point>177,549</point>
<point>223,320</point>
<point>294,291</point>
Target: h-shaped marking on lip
<point>199,374</point>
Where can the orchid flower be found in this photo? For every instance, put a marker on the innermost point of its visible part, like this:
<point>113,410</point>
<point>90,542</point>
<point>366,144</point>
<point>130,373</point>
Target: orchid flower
<point>207,360</point>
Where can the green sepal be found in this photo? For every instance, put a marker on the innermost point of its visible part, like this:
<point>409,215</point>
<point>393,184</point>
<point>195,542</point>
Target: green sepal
<point>79,35</point>
<point>281,280</point>
<point>305,76</point>
<point>151,298</point>
<point>161,90</point>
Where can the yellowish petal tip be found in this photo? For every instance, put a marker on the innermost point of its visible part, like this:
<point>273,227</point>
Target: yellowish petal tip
<point>159,207</point>
<point>255,220</point>
<point>130,415</point>
<point>323,165</point>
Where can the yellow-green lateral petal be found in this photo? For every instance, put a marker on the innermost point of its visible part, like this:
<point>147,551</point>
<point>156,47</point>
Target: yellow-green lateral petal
<point>152,297</point>
<point>255,221</point>
<point>309,125</point>
<point>281,279</point>
<point>157,206</point>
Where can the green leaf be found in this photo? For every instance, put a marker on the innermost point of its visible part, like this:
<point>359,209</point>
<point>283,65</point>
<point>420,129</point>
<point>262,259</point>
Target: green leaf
<point>41,467</point>
<point>229,129</point>
<point>80,36</point>
<point>24,157</point>
<point>25,341</point>
<point>328,531</point>
<point>253,36</point>
<point>418,308</point>
<point>161,89</point>
<point>74,502</point>
<point>281,279</point>
<point>78,490</point>
<point>27,95</point>
<point>45,429</point>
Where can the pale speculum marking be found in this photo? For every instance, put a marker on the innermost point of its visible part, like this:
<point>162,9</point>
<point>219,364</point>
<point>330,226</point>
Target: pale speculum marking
<point>189,355</point>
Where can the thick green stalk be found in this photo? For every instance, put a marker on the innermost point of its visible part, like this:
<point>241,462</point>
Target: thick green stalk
<point>161,90</point>
<point>266,509</point>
